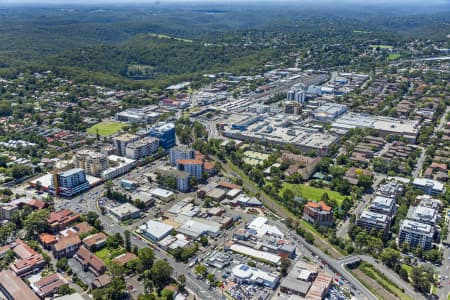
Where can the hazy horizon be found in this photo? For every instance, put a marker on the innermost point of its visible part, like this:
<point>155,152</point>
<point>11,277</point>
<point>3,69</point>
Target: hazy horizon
<point>152,2</point>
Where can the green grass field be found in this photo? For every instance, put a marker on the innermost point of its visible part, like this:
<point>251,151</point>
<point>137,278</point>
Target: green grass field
<point>106,254</point>
<point>393,56</point>
<point>381,46</point>
<point>106,128</point>
<point>312,193</point>
<point>408,269</point>
<point>373,273</point>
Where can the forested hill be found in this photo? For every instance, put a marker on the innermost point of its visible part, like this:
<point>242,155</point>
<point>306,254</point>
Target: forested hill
<point>161,44</point>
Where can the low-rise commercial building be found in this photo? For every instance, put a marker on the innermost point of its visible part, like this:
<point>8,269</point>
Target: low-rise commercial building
<point>143,115</point>
<point>385,126</point>
<point>155,231</point>
<point>257,254</point>
<point>276,130</point>
<point>329,111</point>
<point>260,227</point>
<point>320,287</point>
<point>128,184</point>
<point>244,274</point>
<point>125,211</point>
<point>299,279</point>
<point>197,227</point>
<point>162,194</point>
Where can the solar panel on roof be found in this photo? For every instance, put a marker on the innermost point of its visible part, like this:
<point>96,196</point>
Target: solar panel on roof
<point>244,268</point>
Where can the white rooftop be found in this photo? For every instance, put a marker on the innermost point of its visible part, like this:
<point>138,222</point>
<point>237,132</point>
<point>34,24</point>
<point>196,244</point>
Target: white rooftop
<point>156,229</point>
<point>158,192</point>
<point>261,226</point>
<point>266,256</point>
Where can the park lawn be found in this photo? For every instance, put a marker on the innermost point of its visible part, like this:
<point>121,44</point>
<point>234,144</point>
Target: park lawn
<point>106,128</point>
<point>381,46</point>
<point>312,193</point>
<point>106,254</point>
<point>393,56</point>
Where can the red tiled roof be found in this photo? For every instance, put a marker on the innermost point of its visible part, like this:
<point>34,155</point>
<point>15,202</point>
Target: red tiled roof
<point>88,258</point>
<point>47,238</point>
<point>124,258</point>
<point>101,281</point>
<point>4,249</point>
<point>199,155</point>
<point>94,239</point>
<point>228,185</point>
<point>66,242</point>
<point>39,204</point>
<point>22,250</point>
<point>82,228</point>
<point>62,217</point>
<point>209,165</point>
<point>190,161</point>
<point>50,284</point>
<point>15,287</point>
<point>319,205</point>
<point>436,165</point>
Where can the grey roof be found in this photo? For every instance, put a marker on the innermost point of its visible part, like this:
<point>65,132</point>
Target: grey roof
<point>294,284</point>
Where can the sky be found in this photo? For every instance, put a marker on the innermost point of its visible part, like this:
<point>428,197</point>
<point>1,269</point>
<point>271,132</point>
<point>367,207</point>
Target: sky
<point>338,2</point>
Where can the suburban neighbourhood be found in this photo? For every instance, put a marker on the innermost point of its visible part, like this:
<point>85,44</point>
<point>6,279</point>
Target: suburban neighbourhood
<point>294,182</point>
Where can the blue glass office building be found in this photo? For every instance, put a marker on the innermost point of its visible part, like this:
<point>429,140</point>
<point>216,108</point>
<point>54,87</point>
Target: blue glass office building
<point>165,132</point>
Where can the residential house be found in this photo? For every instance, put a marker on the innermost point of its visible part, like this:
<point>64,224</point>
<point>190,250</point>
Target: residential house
<point>49,285</point>
<point>66,246</point>
<point>61,219</point>
<point>95,242</point>
<point>28,260</point>
<point>90,262</point>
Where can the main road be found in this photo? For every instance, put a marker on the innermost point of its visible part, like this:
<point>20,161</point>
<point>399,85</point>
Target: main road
<point>334,264</point>
<point>88,202</point>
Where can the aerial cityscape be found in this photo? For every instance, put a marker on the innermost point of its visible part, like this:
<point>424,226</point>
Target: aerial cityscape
<point>224,150</point>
